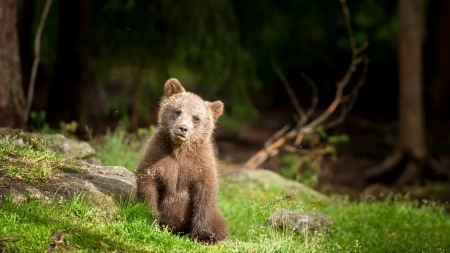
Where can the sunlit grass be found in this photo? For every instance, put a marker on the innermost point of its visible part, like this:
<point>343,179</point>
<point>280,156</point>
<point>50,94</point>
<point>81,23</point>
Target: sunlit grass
<point>84,229</point>
<point>396,224</point>
<point>29,161</point>
<point>119,148</point>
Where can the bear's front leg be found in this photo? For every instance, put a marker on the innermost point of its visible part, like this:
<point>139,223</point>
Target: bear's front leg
<point>203,211</point>
<point>148,192</point>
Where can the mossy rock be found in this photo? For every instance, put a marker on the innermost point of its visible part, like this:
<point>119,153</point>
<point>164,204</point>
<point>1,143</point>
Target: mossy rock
<point>260,180</point>
<point>55,142</point>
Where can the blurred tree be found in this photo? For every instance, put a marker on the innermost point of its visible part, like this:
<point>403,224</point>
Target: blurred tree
<point>25,18</point>
<point>142,43</point>
<point>214,47</point>
<point>70,81</point>
<point>12,102</point>
<point>410,160</point>
<point>309,36</point>
<point>411,122</point>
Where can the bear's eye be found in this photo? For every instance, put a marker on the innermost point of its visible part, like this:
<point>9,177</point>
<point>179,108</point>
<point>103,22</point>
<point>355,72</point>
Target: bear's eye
<point>178,112</point>
<point>196,119</point>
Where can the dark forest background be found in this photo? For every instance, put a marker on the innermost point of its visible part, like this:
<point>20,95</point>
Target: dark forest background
<point>103,62</point>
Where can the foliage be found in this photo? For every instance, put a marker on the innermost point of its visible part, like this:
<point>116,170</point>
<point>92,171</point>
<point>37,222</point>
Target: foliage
<point>220,49</point>
<point>37,123</point>
<point>302,167</point>
<point>29,161</point>
<point>122,148</point>
<point>396,224</point>
<point>148,42</point>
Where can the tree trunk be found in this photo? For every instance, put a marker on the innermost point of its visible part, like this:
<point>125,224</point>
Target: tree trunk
<point>410,112</point>
<point>12,102</point>
<point>410,161</point>
<point>25,27</point>
<point>67,100</point>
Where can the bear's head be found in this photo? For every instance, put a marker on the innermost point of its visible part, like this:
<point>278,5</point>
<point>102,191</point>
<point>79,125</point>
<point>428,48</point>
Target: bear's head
<point>184,116</point>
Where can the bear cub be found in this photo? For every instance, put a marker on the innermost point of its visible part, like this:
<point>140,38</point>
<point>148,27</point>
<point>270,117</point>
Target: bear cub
<point>177,174</point>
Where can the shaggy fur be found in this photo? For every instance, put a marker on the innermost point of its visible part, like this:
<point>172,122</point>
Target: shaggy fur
<point>177,174</point>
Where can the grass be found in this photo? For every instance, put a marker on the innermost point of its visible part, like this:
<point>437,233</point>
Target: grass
<point>118,148</point>
<point>393,225</point>
<point>130,230</point>
<point>396,224</point>
<point>40,162</point>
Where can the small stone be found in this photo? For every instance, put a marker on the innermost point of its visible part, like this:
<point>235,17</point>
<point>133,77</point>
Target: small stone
<point>299,221</point>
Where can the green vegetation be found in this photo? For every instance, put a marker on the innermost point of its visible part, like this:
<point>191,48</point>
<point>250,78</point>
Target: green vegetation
<point>396,224</point>
<point>121,148</point>
<point>222,50</point>
<point>29,161</point>
<point>315,145</point>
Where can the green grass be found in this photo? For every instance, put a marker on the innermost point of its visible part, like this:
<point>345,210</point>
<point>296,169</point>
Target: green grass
<point>393,225</point>
<point>119,148</point>
<point>40,162</point>
<point>130,230</point>
<point>396,224</point>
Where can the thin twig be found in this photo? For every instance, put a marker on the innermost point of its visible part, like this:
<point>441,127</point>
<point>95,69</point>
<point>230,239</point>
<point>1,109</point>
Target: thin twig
<point>345,80</point>
<point>37,46</point>
<point>351,97</point>
<point>289,90</point>
<point>323,151</point>
<point>351,37</point>
<point>299,138</point>
<point>277,135</point>
<point>315,99</point>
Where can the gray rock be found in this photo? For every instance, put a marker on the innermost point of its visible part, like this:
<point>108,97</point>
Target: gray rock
<point>262,179</point>
<point>103,185</point>
<point>300,221</point>
<point>55,142</point>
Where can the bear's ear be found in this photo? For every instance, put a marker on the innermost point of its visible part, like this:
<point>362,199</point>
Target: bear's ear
<point>172,86</point>
<point>216,109</point>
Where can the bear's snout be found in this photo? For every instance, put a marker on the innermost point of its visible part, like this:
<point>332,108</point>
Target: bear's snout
<point>180,133</point>
<point>182,129</point>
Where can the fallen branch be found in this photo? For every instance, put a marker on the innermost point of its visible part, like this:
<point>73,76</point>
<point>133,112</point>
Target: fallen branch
<point>304,124</point>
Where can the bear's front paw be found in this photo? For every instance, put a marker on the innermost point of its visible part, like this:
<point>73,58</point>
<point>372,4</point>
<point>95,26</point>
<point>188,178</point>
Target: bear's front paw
<point>204,237</point>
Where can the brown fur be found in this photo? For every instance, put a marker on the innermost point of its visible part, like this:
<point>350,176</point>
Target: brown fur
<point>177,174</point>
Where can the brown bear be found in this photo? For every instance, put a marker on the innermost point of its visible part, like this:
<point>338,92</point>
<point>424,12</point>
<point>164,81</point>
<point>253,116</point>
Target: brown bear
<point>177,173</point>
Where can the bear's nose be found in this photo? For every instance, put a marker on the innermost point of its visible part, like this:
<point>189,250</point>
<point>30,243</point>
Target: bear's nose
<point>183,128</point>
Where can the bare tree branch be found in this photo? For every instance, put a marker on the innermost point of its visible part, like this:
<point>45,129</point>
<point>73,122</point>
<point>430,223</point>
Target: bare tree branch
<point>289,90</point>
<point>351,37</point>
<point>37,46</point>
<point>277,135</point>
<point>315,99</point>
<point>346,101</point>
<point>350,98</point>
